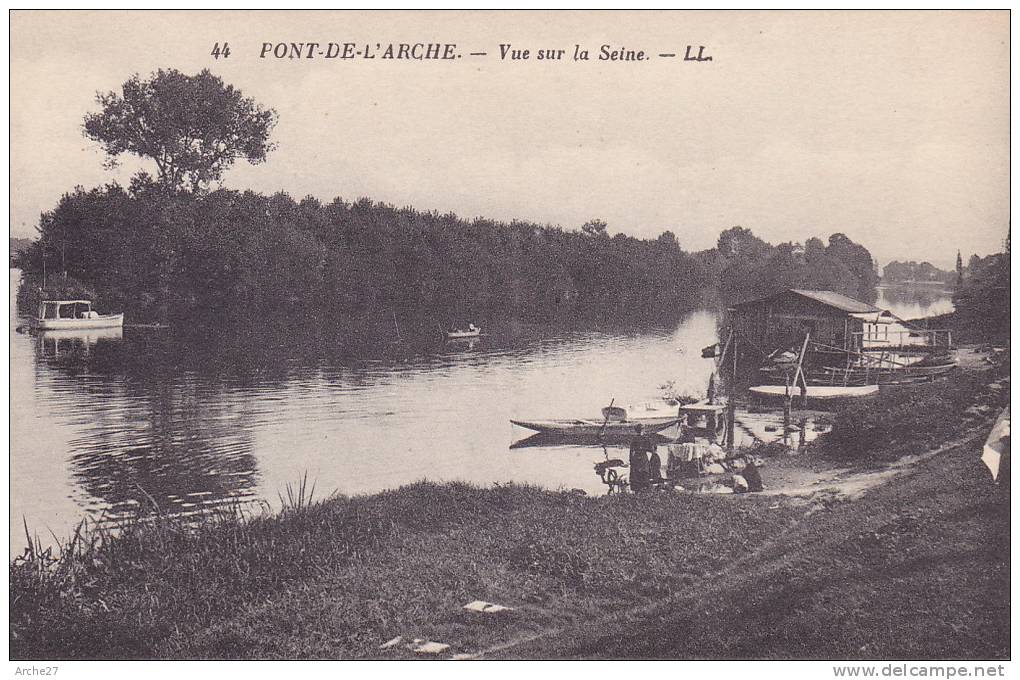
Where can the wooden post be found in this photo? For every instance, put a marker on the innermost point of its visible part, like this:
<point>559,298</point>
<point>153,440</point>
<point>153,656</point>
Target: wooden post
<point>731,423</point>
<point>787,408</point>
<point>800,364</point>
<point>731,417</point>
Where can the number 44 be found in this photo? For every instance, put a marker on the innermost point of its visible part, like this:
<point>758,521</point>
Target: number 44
<point>224,52</point>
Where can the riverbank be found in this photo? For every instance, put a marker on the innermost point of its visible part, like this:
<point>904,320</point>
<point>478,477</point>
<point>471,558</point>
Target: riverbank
<point>915,564</point>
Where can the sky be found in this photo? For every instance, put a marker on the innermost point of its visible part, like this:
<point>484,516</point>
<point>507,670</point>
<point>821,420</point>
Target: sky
<point>891,127</point>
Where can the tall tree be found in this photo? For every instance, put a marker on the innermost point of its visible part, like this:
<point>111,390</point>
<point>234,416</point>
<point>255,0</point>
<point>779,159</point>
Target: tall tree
<point>192,127</point>
<point>595,228</point>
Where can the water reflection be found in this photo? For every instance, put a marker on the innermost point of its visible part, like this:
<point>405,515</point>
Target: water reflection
<point>176,449</point>
<point>458,345</point>
<point>144,437</point>
<point>52,340</point>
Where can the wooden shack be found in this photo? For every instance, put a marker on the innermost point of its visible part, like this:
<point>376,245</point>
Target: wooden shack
<point>782,319</point>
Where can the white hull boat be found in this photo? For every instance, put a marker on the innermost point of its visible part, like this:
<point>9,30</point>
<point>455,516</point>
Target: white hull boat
<point>814,392</point>
<point>101,321</point>
<point>463,335</point>
<point>73,315</point>
<point>580,426</point>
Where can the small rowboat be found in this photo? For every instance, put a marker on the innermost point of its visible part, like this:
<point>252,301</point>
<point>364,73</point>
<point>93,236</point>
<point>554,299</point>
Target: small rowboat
<point>579,426</point>
<point>884,375</point>
<point>472,332</point>
<point>859,375</point>
<point>615,421</point>
<point>826,393</point>
<point>552,439</point>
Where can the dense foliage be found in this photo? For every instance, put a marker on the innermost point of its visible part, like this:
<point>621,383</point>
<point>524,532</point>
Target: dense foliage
<point>17,246</point>
<point>982,298</point>
<point>748,267</point>
<point>237,254</point>
<point>914,272</point>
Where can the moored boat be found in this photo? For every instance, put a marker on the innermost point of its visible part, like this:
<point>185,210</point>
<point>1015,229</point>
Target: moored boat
<point>73,315</point>
<point>860,375</point>
<point>818,393</point>
<point>615,421</point>
<point>472,331</point>
<point>553,439</point>
<point>857,374</point>
<point>580,426</point>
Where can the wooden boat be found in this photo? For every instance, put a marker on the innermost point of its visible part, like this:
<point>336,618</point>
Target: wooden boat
<point>616,421</point>
<point>471,332</point>
<point>823,393</point>
<point>73,315</point>
<point>582,427</point>
<point>553,439</point>
<point>857,375</point>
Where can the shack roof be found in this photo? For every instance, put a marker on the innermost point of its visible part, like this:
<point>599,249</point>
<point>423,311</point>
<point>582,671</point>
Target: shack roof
<point>826,297</point>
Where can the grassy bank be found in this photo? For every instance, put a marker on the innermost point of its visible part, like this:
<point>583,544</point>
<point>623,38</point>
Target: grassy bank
<point>336,579</point>
<point>918,567</point>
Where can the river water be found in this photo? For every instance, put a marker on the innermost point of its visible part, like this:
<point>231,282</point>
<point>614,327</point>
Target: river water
<point>104,422</point>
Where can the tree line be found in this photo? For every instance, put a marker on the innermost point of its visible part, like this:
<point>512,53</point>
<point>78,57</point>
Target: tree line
<point>169,246</point>
<point>916,272</point>
<point>747,267</point>
<point>229,253</point>
<point>982,297</point>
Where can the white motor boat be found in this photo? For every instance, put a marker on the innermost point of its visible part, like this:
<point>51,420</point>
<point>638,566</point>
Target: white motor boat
<point>73,315</point>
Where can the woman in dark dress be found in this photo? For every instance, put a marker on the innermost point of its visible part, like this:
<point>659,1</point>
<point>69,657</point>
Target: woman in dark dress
<point>640,447</point>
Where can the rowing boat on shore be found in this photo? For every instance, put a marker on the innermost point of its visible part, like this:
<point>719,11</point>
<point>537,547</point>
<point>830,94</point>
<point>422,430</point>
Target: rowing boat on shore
<point>860,375</point>
<point>822,393</point>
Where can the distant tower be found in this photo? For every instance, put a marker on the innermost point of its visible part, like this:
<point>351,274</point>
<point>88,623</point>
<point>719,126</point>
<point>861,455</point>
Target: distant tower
<point>959,269</point>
